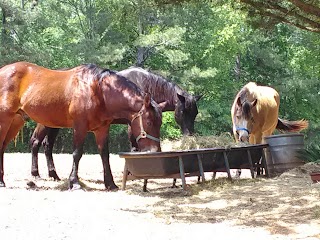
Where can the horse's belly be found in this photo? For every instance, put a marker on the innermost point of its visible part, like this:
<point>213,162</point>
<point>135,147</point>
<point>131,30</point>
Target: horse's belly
<point>50,116</point>
<point>46,105</point>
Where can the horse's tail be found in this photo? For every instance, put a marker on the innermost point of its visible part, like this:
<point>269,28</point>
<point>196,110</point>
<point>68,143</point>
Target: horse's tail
<point>291,126</point>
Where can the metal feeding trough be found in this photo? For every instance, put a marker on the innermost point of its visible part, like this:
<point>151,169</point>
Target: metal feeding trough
<point>182,164</point>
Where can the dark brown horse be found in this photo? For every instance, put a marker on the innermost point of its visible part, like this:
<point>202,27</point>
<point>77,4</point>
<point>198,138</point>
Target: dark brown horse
<point>181,102</point>
<point>169,95</point>
<point>85,98</point>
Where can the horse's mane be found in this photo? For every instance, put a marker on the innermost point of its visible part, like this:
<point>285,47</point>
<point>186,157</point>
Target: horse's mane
<point>247,94</point>
<point>160,88</point>
<point>96,72</point>
<point>99,74</point>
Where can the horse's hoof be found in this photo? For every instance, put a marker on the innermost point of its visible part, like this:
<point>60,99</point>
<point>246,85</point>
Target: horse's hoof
<point>74,187</point>
<point>2,184</point>
<point>112,188</point>
<point>35,174</point>
<point>54,175</point>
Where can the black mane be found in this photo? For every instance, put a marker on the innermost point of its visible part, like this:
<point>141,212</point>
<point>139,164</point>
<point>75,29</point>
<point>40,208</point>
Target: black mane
<point>160,88</point>
<point>97,72</point>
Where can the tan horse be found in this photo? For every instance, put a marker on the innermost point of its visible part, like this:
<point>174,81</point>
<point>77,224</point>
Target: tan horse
<point>255,114</point>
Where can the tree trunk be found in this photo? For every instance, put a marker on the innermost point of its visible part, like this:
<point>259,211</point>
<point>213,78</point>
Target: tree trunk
<point>4,22</point>
<point>140,50</point>
<point>237,68</point>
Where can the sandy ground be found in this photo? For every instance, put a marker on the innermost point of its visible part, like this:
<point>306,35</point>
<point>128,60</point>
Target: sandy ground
<point>286,207</point>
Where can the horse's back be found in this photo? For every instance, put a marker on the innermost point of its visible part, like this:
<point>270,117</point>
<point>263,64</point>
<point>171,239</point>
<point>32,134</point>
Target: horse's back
<point>268,97</point>
<point>160,89</point>
<point>136,75</point>
<point>40,92</point>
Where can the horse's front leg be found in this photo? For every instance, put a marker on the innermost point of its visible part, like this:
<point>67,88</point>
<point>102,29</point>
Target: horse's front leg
<point>133,142</point>
<point>48,146</point>
<point>2,184</point>
<point>78,141</point>
<point>102,140</point>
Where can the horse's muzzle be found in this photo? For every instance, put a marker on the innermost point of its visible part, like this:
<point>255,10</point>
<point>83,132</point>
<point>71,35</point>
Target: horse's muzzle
<point>151,149</point>
<point>244,138</point>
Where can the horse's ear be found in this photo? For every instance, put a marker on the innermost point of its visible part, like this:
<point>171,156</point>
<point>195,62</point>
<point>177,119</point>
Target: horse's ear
<point>197,97</point>
<point>147,100</point>
<point>239,102</point>
<point>181,98</point>
<point>162,105</point>
<point>254,103</point>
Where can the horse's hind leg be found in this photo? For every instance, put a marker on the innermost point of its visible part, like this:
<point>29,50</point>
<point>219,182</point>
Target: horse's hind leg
<point>48,146</point>
<point>36,139</point>
<point>11,131</point>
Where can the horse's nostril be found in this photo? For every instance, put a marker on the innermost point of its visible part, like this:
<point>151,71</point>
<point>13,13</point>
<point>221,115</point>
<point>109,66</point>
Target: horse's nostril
<point>244,138</point>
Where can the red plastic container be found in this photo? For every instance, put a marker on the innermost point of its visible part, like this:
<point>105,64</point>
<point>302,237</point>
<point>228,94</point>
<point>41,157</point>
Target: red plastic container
<point>315,177</point>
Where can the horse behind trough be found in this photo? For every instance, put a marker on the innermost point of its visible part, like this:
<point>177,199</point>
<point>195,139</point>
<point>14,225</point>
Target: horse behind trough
<point>181,102</point>
<point>255,113</point>
<point>85,98</point>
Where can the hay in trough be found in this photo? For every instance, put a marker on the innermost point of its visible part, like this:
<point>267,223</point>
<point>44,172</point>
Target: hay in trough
<point>197,142</point>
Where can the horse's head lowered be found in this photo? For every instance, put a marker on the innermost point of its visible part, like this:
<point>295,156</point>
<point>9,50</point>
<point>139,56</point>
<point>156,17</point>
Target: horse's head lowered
<point>125,102</point>
<point>243,119</point>
<point>145,126</point>
<point>185,112</point>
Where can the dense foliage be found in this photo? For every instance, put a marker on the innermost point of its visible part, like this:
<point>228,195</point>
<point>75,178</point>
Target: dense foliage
<point>206,47</point>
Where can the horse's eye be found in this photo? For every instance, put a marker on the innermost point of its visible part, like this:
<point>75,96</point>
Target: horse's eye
<point>148,124</point>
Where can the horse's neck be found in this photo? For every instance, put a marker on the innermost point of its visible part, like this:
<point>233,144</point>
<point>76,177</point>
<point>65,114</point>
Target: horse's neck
<point>160,89</point>
<point>127,110</point>
<point>173,99</point>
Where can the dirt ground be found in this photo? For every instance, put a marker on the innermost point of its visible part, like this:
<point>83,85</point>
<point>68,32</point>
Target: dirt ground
<point>285,207</point>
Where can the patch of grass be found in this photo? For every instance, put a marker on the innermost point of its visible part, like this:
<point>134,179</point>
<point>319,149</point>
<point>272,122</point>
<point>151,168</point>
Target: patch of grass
<point>220,183</point>
<point>311,153</point>
<point>316,212</point>
<point>64,185</point>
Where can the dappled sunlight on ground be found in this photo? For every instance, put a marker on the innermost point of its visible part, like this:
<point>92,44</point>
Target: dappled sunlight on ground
<point>285,207</point>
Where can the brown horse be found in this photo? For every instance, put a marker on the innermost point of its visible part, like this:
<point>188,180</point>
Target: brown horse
<point>167,94</point>
<point>85,98</point>
<point>255,113</point>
